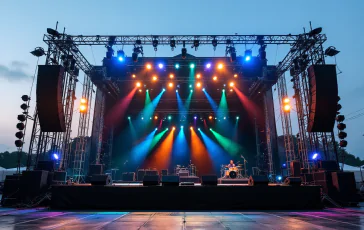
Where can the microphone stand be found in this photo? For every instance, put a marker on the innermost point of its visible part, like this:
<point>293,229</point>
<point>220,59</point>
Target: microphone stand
<point>245,161</point>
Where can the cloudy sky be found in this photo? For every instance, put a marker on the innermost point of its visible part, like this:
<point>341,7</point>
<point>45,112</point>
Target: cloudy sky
<point>23,24</point>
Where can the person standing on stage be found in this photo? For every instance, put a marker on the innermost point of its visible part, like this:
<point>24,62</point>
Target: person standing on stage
<point>231,165</point>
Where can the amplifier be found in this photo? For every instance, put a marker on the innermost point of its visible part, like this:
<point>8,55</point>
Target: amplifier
<point>140,175</point>
<point>151,172</point>
<point>128,176</point>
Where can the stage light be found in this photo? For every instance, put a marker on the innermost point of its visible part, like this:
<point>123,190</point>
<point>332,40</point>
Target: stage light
<point>220,66</point>
<point>169,117</point>
<point>82,108</point>
<point>190,86</point>
<point>166,128</point>
<point>287,108</point>
<point>286,100</point>
<point>174,128</point>
<point>279,178</point>
<point>156,129</point>
<point>147,90</point>
<point>155,117</point>
<point>198,129</point>
<point>133,75</point>
<point>83,100</point>
<point>237,118</point>
<point>150,118</point>
<point>214,78</point>
<point>176,66</point>
<point>181,126</point>
<point>38,52</point>
<point>128,118</point>
<point>191,91</point>
<point>203,89</point>
<point>223,90</point>
<point>138,84</point>
<point>192,66</point>
<point>20,126</point>
<point>191,127</point>
<point>231,90</point>
<point>164,89</point>
<point>231,84</point>
<point>284,166</point>
<point>210,129</point>
<point>149,66</point>
<point>155,78</point>
<point>140,90</point>
<point>121,55</point>
<point>55,156</point>
<point>25,98</point>
<point>208,65</point>
<point>170,85</point>
<point>160,66</point>
<point>195,117</point>
<point>235,75</point>
<point>121,59</point>
<point>198,76</point>
<point>176,90</point>
<point>248,55</point>
<point>142,118</point>
<point>210,117</point>
<point>224,118</point>
<point>24,106</point>
<point>198,84</point>
<point>171,76</point>
<point>184,53</point>
<point>314,156</point>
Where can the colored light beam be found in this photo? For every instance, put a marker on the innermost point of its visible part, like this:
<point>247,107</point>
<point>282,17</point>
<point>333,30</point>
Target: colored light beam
<point>199,155</point>
<point>140,151</point>
<point>247,104</point>
<point>117,113</point>
<point>180,151</point>
<point>212,102</point>
<point>149,108</point>
<point>147,98</point>
<point>218,154</point>
<point>188,102</point>
<point>160,158</point>
<point>223,106</point>
<point>229,145</point>
<point>157,138</point>
<point>181,107</point>
<point>132,130</point>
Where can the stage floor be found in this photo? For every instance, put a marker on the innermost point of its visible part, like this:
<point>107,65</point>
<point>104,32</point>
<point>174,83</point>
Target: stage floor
<point>43,219</point>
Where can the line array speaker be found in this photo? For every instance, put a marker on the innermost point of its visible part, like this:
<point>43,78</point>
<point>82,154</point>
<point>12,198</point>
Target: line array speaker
<point>49,98</point>
<point>323,98</point>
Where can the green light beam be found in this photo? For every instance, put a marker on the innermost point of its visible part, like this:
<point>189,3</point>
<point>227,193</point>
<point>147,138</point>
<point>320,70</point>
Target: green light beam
<point>157,138</point>
<point>230,146</point>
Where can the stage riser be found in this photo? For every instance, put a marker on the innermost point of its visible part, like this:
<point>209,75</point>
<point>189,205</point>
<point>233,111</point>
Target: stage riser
<point>188,198</point>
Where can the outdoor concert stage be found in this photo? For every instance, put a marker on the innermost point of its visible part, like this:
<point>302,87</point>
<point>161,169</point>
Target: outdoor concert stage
<point>187,198</point>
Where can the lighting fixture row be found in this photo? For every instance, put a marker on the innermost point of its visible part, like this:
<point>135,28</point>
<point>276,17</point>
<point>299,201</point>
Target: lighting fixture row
<point>171,76</point>
<point>198,84</point>
<point>195,118</point>
<point>208,65</point>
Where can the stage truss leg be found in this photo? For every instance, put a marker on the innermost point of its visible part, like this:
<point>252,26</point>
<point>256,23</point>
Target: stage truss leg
<point>268,138</point>
<point>286,123</point>
<point>83,129</point>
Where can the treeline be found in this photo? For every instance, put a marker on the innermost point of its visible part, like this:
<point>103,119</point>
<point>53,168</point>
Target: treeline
<point>10,159</point>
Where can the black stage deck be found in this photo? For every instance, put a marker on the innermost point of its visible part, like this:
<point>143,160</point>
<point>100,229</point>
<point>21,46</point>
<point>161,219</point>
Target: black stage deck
<point>192,198</point>
<point>233,181</point>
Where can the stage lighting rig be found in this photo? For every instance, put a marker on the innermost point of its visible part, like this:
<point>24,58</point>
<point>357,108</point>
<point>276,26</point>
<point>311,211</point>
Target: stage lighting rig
<point>262,53</point>
<point>248,55</point>
<point>331,51</point>
<point>232,52</point>
<point>172,43</point>
<point>38,52</point>
<point>155,44</point>
<point>120,55</point>
<point>53,32</point>
<point>196,44</point>
<point>315,32</point>
<point>214,43</point>
<point>109,52</point>
<point>138,49</point>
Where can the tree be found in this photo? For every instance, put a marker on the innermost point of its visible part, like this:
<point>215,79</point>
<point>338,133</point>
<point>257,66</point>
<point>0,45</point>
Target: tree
<point>10,160</point>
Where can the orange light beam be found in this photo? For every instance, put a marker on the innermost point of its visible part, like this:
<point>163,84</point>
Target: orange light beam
<point>199,155</point>
<point>161,157</point>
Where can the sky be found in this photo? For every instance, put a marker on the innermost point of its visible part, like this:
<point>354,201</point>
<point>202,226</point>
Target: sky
<point>23,24</point>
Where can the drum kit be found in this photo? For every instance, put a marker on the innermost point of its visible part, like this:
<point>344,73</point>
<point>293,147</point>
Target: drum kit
<point>232,172</point>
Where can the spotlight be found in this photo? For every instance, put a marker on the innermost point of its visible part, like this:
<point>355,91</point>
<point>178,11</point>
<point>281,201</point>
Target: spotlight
<point>235,75</point>
<point>150,118</point>
<point>160,66</point>
<point>220,66</point>
<point>149,66</point>
<point>176,90</point>
<point>237,118</point>
<point>147,90</point>
<point>210,117</point>
<point>181,126</point>
<point>82,108</point>
<point>190,86</point>
<point>198,129</point>
<point>210,129</point>
<point>198,84</point>
<point>203,89</point>
<point>171,76</point>
<point>223,90</point>
<point>191,127</point>
<point>24,106</point>
<point>25,98</point>
<point>231,84</point>
<point>224,118</point>
<point>170,85</point>
<point>314,156</point>
<point>121,55</point>
<point>138,84</point>
<point>155,78</point>
<point>176,66</point>
<point>55,156</point>
<point>279,178</point>
<point>142,118</point>
<point>287,108</point>
<point>19,134</point>
<point>184,53</point>
<point>128,118</point>
<point>83,100</point>
<point>166,128</point>
<point>156,129</point>
<point>248,55</point>
<point>231,90</point>
<point>195,117</point>
<point>169,117</point>
<point>164,89</point>
<point>192,66</point>
<point>172,43</point>
<point>214,78</point>
<point>286,100</point>
<point>133,76</point>
<point>208,65</point>
<point>198,76</point>
<point>140,90</point>
<point>155,117</point>
<point>284,166</point>
<point>174,128</point>
<point>38,52</point>
<point>191,90</point>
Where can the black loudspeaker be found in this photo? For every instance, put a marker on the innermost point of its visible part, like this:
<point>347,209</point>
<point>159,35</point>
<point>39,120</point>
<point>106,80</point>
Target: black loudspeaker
<point>164,172</point>
<point>45,165</point>
<point>128,176</point>
<point>49,98</point>
<point>258,181</point>
<point>151,180</point>
<point>9,193</point>
<point>344,182</point>
<point>324,179</point>
<point>295,168</point>
<point>33,183</point>
<point>324,94</point>
<point>151,172</point>
<point>328,165</point>
<point>170,180</point>
<point>101,179</point>
<point>308,177</point>
<point>210,180</point>
<point>293,181</point>
<point>96,169</point>
<point>140,175</point>
<point>59,176</point>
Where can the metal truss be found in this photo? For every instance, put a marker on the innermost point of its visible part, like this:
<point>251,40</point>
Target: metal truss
<point>100,126</point>
<point>268,138</point>
<point>107,40</point>
<point>286,122</point>
<point>83,128</point>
